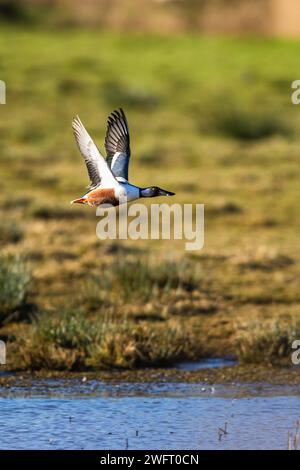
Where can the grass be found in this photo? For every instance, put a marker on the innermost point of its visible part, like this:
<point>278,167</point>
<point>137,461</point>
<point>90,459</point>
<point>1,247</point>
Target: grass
<point>53,212</point>
<point>210,119</point>
<point>10,232</point>
<point>127,280</point>
<point>132,97</point>
<point>140,279</point>
<point>15,282</point>
<point>248,121</point>
<point>269,342</point>
<point>126,345</point>
<point>69,341</point>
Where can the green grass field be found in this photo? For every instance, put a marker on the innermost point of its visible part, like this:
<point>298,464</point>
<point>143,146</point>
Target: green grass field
<point>211,119</point>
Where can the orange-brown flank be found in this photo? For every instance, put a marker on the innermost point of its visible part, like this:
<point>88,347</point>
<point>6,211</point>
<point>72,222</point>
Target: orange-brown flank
<point>102,196</point>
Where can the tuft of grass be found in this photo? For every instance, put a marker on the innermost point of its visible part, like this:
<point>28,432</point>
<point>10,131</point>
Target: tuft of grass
<point>140,279</point>
<point>267,262</point>
<point>93,294</point>
<point>267,343</point>
<point>151,157</point>
<point>15,280</point>
<point>70,330</point>
<point>130,346</point>
<point>10,232</point>
<point>57,342</point>
<point>242,124</point>
<point>55,212</point>
<point>70,341</point>
<point>117,94</point>
<point>240,120</point>
<point>69,86</point>
<point>225,207</point>
<point>15,203</point>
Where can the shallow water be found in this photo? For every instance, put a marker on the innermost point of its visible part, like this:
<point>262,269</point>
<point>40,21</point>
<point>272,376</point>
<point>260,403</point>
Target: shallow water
<point>213,362</point>
<point>72,414</point>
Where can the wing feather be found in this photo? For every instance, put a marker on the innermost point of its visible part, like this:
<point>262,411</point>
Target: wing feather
<point>98,169</point>
<point>117,144</point>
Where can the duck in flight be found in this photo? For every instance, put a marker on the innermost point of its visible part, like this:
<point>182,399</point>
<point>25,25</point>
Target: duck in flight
<point>109,178</point>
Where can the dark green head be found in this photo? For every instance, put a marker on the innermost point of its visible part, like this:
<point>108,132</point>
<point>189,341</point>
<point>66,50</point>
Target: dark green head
<point>154,191</point>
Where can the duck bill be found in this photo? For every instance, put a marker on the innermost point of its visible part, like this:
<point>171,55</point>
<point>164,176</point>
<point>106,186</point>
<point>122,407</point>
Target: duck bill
<point>163,192</point>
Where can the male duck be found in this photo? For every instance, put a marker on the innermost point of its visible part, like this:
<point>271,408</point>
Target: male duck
<point>109,178</point>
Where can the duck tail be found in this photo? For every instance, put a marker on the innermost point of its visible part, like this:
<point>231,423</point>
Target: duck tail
<point>80,200</point>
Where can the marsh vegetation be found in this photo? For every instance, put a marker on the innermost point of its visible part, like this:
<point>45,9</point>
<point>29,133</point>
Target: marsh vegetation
<point>211,119</point>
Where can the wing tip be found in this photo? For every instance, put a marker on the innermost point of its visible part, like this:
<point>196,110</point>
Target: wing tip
<point>76,122</point>
<point>117,114</point>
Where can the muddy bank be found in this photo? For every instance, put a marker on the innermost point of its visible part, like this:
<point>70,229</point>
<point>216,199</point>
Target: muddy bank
<point>224,375</point>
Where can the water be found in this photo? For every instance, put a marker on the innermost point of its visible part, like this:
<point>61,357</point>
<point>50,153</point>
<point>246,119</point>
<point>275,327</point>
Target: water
<point>70,414</point>
<point>213,362</point>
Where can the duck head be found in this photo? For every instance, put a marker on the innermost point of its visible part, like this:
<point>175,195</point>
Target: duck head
<point>154,191</point>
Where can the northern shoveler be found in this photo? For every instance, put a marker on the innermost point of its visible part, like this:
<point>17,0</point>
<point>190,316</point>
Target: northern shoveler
<point>109,178</point>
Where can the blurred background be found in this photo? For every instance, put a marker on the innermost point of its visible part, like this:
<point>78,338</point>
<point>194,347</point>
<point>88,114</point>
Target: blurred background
<point>266,17</point>
<point>206,86</point>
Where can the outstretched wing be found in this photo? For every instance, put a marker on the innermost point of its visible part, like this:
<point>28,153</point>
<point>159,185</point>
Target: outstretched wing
<point>117,144</point>
<point>98,170</point>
